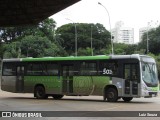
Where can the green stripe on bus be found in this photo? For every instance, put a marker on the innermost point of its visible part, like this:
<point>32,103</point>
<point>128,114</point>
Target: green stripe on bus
<point>66,58</point>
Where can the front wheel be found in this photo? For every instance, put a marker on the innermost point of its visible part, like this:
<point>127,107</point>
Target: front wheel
<point>112,95</point>
<point>127,99</point>
<point>40,92</point>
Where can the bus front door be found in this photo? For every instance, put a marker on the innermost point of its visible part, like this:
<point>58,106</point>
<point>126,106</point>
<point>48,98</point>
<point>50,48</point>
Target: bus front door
<point>20,79</point>
<point>131,79</point>
<point>67,86</point>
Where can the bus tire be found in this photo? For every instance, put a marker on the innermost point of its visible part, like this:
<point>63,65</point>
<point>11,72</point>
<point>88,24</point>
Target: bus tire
<point>127,99</point>
<point>40,92</point>
<point>112,95</point>
<point>57,97</point>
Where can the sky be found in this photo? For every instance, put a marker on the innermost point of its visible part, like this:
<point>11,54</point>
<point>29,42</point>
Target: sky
<point>134,13</point>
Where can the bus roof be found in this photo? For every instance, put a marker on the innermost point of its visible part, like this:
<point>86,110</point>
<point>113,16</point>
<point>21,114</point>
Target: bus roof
<point>98,57</point>
<point>66,58</point>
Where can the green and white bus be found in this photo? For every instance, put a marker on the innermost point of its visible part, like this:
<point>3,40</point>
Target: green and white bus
<point>113,77</point>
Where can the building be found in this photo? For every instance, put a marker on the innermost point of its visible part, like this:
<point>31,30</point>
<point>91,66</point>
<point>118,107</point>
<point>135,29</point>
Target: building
<point>141,33</point>
<point>123,34</point>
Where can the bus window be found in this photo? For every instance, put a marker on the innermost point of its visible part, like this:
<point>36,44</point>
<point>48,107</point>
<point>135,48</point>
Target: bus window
<point>34,69</point>
<point>127,72</point>
<point>88,68</point>
<point>52,69</point>
<point>131,72</point>
<point>9,69</point>
<point>134,72</point>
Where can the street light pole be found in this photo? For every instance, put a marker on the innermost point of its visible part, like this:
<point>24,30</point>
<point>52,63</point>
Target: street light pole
<point>91,42</point>
<point>147,39</point>
<point>148,25</point>
<point>109,25</point>
<point>75,35</point>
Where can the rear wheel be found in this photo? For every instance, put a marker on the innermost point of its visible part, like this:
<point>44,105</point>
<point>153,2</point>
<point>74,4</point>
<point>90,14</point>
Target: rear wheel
<point>57,97</point>
<point>40,92</point>
<point>111,95</point>
<point>127,99</point>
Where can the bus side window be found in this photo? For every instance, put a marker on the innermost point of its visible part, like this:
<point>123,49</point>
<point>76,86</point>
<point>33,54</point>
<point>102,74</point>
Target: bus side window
<point>9,69</point>
<point>88,68</point>
<point>127,72</point>
<point>29,69</point>
<point>131,72</point>
<point>34,69</point>
<point>134,72</point>
<point>52,69</point>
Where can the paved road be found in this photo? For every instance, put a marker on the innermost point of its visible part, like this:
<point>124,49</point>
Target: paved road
<point>26,102</point>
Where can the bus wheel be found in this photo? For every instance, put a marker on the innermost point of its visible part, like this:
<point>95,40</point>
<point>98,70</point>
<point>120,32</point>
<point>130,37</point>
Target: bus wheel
<point>40,92</point>
<point>111,95</point>
<point>127,99</point>
<point>57,97</point>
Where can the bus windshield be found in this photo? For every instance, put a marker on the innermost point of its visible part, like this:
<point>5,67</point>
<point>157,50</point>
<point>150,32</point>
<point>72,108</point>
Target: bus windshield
<point>149,74</point>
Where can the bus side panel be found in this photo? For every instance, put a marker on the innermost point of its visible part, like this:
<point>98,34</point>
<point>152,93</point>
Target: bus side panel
<point>82,85</point>
<point>8,83</point>
<point>90,85</point>
<point>100,82</point>
<point>119,83</point>
<point>52,84</point>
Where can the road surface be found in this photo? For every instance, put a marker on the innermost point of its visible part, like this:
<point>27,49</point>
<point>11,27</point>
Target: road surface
<point>94,104</point>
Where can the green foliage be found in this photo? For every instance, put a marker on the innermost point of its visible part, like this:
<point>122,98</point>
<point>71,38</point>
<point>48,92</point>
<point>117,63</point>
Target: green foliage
<point>124,49</point>
<point>100,36</point>
<point>85,52</point>
<point>44,29</point>
<point>32,46</point>
<point>40,40</point>
<point>153,41</point>
<point>33,41</point>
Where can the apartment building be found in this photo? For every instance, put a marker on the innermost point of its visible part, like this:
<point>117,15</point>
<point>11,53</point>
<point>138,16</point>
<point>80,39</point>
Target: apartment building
<point>123,34</point>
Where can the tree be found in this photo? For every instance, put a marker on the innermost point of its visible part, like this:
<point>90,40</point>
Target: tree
<point>84,52</point>
<point>153,41</point>
<point>100,36</point>
<point>33,46</point>
<point>44,29</point>
<point>121,48</point>
<point>12,39</point>
<point>47,27</point>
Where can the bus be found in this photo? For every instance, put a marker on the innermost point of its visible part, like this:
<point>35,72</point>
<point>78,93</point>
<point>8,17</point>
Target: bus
<point>112,76</point>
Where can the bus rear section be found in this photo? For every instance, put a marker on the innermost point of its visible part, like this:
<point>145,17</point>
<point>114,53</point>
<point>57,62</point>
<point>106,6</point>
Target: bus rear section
<point>12,79</point>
